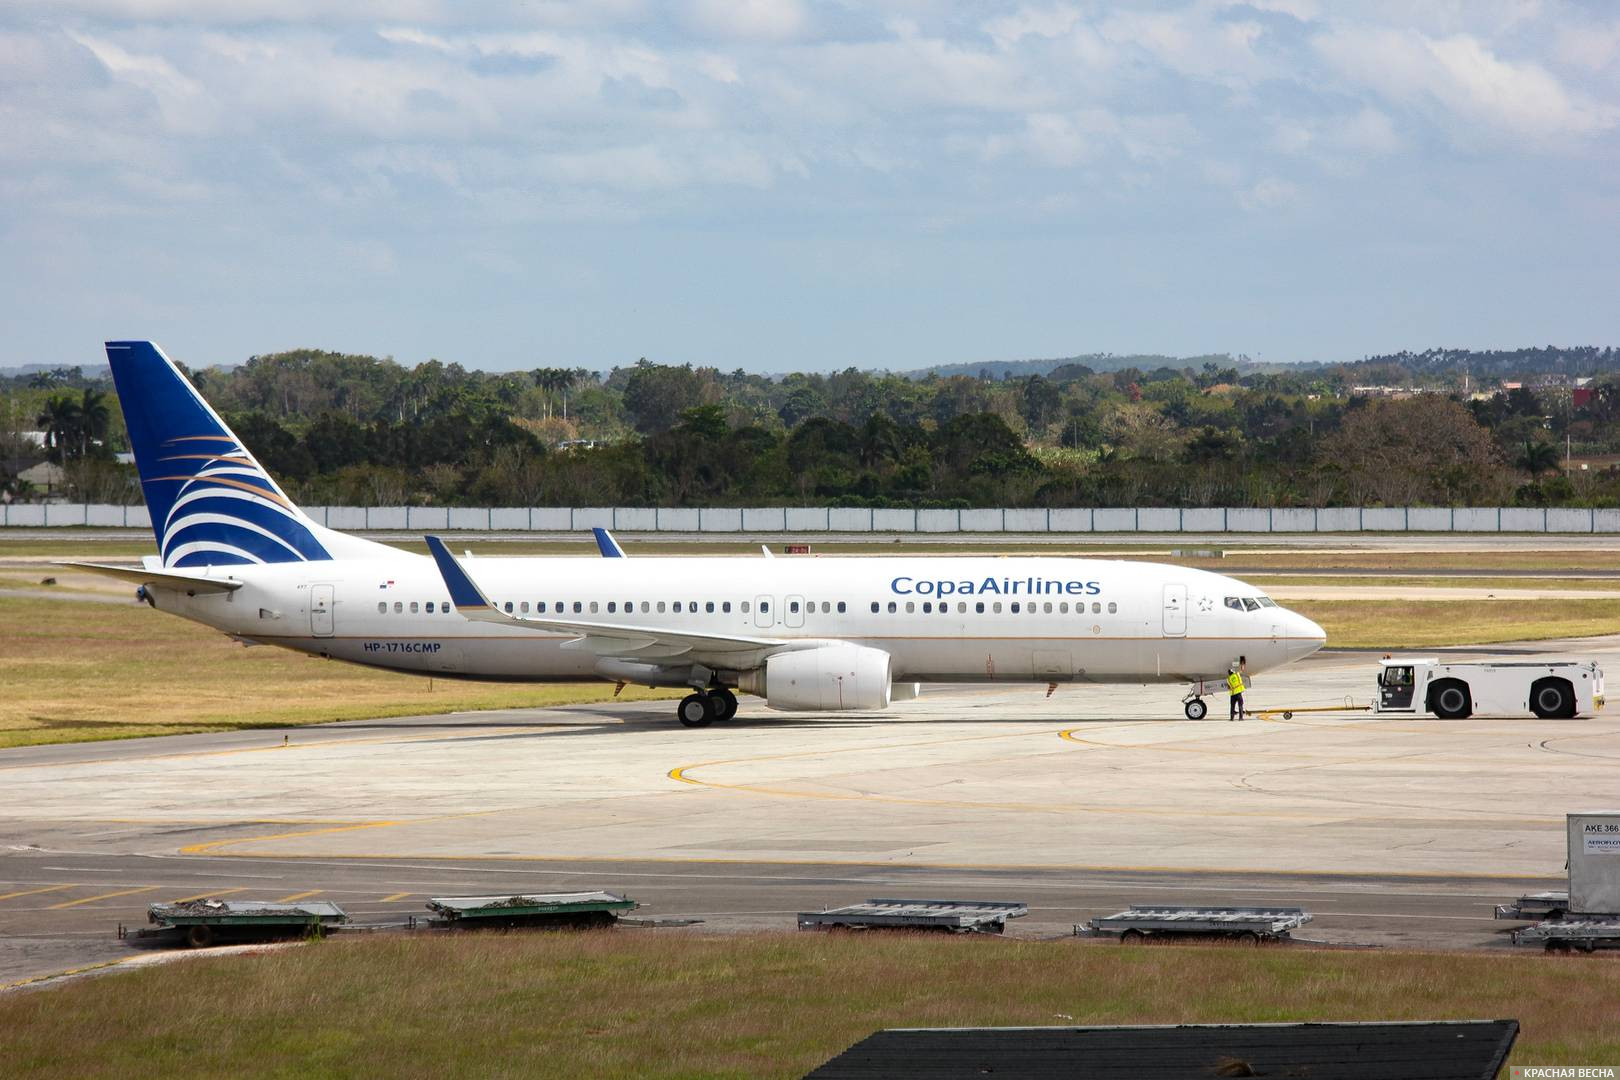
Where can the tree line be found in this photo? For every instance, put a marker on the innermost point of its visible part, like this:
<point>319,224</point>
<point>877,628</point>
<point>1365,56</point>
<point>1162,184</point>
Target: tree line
<point>351,429</point>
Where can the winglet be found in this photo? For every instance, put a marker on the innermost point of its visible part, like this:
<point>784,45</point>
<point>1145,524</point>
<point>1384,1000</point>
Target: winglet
<point>463,593</point>
<point>605,543</point>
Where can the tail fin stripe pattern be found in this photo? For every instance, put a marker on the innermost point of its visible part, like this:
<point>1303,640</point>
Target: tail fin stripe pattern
<point>233,532</point>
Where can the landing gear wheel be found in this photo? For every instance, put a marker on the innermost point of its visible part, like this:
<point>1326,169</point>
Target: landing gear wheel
<point>725,703</point>
<point>695,710</point>
<point>1196,709</point>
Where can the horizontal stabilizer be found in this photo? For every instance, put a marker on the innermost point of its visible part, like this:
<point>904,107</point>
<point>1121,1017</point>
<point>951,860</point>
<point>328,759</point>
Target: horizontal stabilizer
<point>164,579</point>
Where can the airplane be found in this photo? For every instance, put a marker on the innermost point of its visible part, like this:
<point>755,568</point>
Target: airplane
<point>838,634</point>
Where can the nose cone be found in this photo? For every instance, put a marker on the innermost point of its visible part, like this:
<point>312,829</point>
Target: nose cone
<point>1304,636</point>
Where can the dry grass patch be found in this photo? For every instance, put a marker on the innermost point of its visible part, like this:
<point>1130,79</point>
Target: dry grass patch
<point>77,671</point>
<point>632,1003</point>
<point>1395,624</point>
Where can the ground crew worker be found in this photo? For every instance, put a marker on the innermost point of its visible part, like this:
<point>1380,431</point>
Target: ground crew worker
<point>1234,686</point>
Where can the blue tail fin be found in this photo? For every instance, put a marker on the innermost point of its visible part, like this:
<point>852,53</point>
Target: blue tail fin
<point>211,503</point>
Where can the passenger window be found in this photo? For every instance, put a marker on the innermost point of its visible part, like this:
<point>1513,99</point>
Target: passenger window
<point>745,607</point>
<point>660,607</point>
<point>578,607</point>
<point>444,608</point>
<point>398,607</point>
<point>764,607</point>
<point>709,607</point>
<point>414,608</point>
<point>612,607</point>
<point>874,607</point>
<point>840,607</point>
<point>382,607</point>
<point>793,606</point>
<point>961,607</point>
<point>1063,608</point>
<point>995,607</point>
<point>593,607</point>
<point>523,607</point>
<point>645,607</point>
<point>1096,608</point>
<point>928,608</point>
<point>725,607</point>
<point>1014,607</point>
<point>1047,607</point>
<point>1112,607</point>
<point>892,607</point>
<point>911,607</point>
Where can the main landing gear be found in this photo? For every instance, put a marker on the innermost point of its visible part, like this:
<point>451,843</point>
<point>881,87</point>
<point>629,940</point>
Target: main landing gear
<point>704,707</point>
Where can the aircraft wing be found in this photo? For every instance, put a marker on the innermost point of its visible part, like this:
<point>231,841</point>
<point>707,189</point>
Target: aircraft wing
<point>631,642</point>
<point>168,579</point>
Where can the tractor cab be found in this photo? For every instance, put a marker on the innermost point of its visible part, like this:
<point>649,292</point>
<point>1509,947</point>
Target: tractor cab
<point>1397,683</point>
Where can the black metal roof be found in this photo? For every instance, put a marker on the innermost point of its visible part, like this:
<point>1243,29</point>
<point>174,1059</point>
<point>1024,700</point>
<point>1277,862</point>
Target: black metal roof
<point>1420,1050</point>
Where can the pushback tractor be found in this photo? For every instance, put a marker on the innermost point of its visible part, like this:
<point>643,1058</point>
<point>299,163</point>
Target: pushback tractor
<point>1559,689</point>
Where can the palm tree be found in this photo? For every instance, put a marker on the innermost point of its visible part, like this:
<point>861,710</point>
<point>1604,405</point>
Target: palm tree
<point>60,421</point>
<point>1537,458</point>
<point>93,419</point>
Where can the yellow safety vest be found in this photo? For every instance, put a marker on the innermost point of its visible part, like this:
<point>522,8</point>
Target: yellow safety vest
<point>1234,683</point>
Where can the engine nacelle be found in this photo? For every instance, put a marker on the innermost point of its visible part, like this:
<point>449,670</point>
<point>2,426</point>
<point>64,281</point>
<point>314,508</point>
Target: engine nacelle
<point>833,678</point>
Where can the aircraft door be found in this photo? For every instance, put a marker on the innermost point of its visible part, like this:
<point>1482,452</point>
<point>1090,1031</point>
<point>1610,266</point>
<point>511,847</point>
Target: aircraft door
<point>794,615</point>
<point>763,616</point>
<point>1175,611</point>
<point>320,610</point>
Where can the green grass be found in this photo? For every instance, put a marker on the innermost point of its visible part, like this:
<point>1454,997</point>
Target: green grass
<point>648,1003</point>
<point>77,671</point>
<point>1409,624</point>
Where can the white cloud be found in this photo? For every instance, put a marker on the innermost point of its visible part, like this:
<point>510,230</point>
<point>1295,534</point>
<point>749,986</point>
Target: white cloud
<point>749,20</point>
<point>1463,79</point>
<point>1008,30</point>
<point>1270,193</point>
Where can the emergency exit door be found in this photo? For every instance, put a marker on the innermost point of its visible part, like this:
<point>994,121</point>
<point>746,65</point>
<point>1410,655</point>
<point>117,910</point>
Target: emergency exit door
<point>1175,611</point>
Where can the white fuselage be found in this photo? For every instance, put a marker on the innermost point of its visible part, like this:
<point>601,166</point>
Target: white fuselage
<point>940,618</point>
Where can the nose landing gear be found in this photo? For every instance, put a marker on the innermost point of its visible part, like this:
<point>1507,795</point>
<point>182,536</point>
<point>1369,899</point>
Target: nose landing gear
<point>1193,704</point>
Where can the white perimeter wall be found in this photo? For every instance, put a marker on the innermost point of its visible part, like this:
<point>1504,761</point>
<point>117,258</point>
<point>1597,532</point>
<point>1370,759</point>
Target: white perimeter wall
<point>801,519</point>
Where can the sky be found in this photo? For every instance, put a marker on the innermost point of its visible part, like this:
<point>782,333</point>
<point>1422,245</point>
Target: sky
<point>783,185</point>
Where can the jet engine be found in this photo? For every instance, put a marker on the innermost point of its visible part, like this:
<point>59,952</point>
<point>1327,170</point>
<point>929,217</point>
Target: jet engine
<point>832,678</point>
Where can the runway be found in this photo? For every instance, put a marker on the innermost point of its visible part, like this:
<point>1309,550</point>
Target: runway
<point>1393,831</point>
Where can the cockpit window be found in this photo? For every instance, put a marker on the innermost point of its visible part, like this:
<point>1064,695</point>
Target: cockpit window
<point>1234,603</point>
<point>1266,601</point>
<point>1250,604</point>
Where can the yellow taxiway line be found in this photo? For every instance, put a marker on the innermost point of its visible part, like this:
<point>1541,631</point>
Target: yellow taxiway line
<point>34,892</point>
<point>106,896</point>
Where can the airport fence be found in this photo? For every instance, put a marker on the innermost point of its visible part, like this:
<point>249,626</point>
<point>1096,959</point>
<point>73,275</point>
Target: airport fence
<point>797,520</point>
